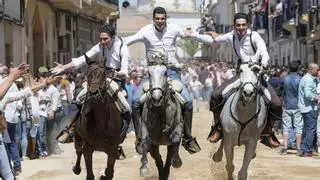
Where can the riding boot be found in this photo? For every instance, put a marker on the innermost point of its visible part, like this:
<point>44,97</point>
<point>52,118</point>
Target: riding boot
<point>216,130</point>
<point>216,105</point>
<point>267,137</point>
<point>189,143</point>
<point>126,122</point>
<point>136,118</point>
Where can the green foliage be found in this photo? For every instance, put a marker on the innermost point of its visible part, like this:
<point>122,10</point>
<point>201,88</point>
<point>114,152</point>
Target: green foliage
<point>190,46</point>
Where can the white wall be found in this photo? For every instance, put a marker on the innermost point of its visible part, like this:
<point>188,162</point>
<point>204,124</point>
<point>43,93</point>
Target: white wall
<point>2,53</point>
<point>184,6</point>
<point>17,46</point>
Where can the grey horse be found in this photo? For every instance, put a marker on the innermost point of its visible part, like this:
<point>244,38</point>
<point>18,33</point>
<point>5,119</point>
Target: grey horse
<point>162,123</point>
<point>243,118</point>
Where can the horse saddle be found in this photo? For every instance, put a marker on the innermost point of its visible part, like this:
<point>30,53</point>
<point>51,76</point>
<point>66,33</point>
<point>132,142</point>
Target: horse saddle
<point>114,91</point>
<point>174,85</point>
<point>231,88</point>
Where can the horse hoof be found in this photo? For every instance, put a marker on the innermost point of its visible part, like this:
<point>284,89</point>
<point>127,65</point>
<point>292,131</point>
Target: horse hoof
<point>254,155</point>
<point>102,177</point>
<point>216,157</point>
<point>176,163</point>
<point>76,170</point>
<point>143,172</point>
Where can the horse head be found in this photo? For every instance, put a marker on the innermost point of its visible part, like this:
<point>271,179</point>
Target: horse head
<point>96,75</point>
<point>157,71</point>
<point>250,74</point>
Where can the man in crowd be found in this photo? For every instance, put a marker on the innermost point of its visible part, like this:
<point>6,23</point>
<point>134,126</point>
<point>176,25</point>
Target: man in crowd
<point>308,105</point>
<point>291,116</point>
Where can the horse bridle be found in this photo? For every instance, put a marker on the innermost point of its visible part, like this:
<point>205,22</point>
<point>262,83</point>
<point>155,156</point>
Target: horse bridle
<point>256,90</point>
<point>256,85</point>
<point>154,62</point>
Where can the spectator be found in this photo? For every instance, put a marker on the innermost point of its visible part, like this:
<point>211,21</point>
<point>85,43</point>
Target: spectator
<point>195,87</point>
<point>291,116</point>
<point>307,103</point>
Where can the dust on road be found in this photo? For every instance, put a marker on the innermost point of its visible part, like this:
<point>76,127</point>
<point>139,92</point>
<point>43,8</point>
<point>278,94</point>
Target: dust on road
<point>267,165</point>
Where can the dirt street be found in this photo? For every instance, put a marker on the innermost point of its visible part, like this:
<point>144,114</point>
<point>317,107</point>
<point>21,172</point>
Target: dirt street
<point>267,165</point>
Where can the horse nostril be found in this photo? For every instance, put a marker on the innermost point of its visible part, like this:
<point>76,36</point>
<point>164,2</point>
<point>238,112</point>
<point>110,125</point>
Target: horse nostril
<point>248,94</point>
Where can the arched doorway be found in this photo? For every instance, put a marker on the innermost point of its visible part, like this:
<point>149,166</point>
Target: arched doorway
<point>38,56</point>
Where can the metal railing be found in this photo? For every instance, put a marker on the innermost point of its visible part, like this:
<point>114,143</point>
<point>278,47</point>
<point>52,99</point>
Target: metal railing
<point>314,18</point>
<point>114,2</point>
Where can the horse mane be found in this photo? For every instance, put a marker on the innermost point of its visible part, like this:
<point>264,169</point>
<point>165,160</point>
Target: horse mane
<point>96,77</point>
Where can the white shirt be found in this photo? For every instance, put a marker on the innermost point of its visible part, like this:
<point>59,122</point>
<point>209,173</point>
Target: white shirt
<point>10,109</point>
<point>195,85</point>
<point>158,42</point>
<point>49,100</point>
<point>242,46</point>
<point>111,56</point>
<point>10,101</point>
<point>208,82</point>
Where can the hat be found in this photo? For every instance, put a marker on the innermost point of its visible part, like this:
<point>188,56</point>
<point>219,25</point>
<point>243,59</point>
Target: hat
<point>43,69</point>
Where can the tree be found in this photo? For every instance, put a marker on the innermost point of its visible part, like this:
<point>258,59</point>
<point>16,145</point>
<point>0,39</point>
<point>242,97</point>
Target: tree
<point>190,46</point>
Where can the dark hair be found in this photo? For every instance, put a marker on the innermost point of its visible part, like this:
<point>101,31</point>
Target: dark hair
<point>109,29</point>
<point>240,16</point>
<point>293,66</point>
<point>159,10</point>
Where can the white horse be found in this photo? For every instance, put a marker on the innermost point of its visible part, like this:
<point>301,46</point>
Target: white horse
<point>162,123</point>
<point>243,118</point>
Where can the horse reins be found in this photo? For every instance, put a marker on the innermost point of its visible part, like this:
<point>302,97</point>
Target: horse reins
<point>243,125</point>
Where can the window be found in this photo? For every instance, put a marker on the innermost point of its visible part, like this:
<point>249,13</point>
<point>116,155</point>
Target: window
<point>68,23</point>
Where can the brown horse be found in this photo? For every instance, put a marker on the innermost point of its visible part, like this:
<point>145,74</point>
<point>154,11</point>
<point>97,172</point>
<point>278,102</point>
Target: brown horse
<point>99,127</point>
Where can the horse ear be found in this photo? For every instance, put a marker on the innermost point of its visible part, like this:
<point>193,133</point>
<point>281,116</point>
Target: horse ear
<point>88,60</point>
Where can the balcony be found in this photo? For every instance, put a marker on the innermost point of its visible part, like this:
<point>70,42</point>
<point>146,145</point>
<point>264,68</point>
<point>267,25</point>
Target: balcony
<point>101,8</point>
<point>314,22</point>
<point>67,4</point>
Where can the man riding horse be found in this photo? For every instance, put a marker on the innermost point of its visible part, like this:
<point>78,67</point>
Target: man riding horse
<point>248,46</point>
<point>161,37</point>
<point>116,57</point>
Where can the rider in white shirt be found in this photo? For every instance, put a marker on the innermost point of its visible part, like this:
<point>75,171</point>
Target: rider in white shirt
<point>161,37</point>
<point>248,46</point>
<point>116,55</point>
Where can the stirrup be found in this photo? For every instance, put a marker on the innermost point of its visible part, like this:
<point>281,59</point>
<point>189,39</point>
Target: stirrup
<point>215,133</point>
<point>270,141</point>
<point>191,145</point>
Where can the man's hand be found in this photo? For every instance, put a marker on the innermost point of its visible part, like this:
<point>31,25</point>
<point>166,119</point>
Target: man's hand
<point>264,66</point>
<point>19,71</point>
<point>51,115</point>
<point>120,75</point>
<point>58,69</point>
<point>212,34</point>
<point>53,79</point>
<point>187,32</point>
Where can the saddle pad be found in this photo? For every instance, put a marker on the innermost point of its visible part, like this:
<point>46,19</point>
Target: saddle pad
<point>231,86</point>
<point>266,93</point>
<point>146,86</point>
<point>236,84</point>
<point>176,85</point>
